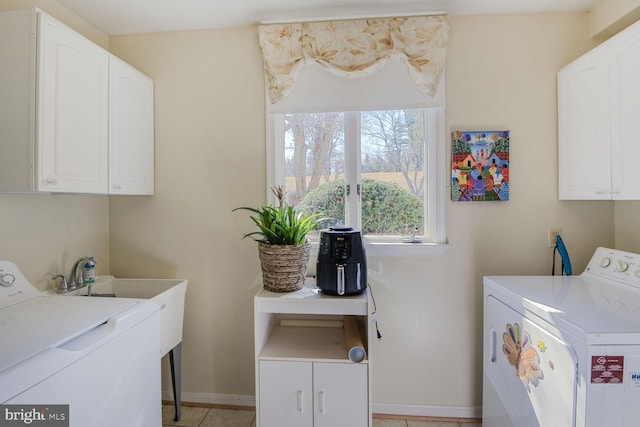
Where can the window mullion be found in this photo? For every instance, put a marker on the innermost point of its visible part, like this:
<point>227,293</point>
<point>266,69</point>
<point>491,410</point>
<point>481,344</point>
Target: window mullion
<point>352,173</point>
<point>436,220</point>
<point>430,139</point>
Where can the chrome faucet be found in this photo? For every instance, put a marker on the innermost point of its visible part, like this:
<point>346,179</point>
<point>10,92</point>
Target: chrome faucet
<point>76,281</point>
<point>64,286</point>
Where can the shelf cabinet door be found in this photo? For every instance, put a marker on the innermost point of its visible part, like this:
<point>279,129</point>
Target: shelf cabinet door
<point>301,394</point>
<point>286,394</point>
<point>73,91</point>
<point>341,393</point>
<point>625,111</point>
<point>131,135</point>
<point>584,153</point>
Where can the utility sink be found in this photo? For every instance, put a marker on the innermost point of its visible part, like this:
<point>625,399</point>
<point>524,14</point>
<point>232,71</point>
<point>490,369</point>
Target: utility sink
<point>168,293</point>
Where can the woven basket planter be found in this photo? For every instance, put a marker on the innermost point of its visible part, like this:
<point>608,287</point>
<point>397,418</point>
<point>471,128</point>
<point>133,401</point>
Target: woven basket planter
<point>284,267</point>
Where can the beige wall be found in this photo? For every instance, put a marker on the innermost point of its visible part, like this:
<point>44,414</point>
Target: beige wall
<point>610,16</point>
<point>627,221</point>
<point>431,310</point>
<point>63,14</point>
<point>43,234</point>
<point>210,158</point>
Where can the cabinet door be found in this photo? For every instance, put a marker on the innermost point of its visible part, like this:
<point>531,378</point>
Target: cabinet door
<point>583,128</point>
<point>286,394</point>
<point>341,395</point>
<point>625,106</point>
<point>72,111</point>
<point>131,137</point>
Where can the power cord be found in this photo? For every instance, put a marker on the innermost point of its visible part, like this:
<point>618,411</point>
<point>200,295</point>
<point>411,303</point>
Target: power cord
<point>553,264</point>
<point>374,316</point>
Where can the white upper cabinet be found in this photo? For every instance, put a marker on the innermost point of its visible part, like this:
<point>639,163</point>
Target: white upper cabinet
<point>66,124</point>
<point>598,100</point>
<point>624,84</point>
<point>583,128</point>
<point>131,137</point>
<point>73,102</point>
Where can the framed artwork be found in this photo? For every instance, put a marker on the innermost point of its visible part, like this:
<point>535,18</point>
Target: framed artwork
<point>479,166</point>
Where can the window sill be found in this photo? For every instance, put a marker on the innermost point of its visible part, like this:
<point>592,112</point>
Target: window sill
<point>399,249</point>
<point>405,250</point>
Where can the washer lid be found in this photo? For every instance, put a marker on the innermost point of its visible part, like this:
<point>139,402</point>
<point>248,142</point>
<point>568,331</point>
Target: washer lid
<point>46,321</point>
<point>592,309</point>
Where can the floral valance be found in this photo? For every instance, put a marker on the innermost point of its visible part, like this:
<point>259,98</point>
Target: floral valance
<point>354,48</point>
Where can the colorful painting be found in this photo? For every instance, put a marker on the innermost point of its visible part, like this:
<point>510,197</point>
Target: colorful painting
<point>480,166</point>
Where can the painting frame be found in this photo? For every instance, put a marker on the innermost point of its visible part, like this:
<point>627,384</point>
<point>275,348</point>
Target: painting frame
<point>480,166</point>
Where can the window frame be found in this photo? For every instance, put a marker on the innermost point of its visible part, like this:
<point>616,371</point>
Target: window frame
<point>435,203</point>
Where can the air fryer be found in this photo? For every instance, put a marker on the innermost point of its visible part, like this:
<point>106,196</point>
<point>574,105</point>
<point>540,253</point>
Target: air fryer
<point>342,266</point>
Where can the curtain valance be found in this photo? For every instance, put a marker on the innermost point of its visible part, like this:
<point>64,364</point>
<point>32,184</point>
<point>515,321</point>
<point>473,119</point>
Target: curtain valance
<point>354,48</point>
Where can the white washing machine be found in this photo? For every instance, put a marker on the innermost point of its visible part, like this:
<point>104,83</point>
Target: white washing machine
<point>97,355</point>
<point>564,351</point>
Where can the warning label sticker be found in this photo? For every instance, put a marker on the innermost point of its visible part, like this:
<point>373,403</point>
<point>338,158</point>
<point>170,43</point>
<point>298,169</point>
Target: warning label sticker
<point>607,369</point>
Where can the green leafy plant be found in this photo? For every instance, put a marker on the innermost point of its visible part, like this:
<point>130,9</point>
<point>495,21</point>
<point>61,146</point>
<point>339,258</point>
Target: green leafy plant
<point>280,225</point>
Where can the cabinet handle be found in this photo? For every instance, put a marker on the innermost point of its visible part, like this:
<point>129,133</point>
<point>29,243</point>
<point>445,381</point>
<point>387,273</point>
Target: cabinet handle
<point>50,181</point>
<point>301,401</point>
<point>321,402</point>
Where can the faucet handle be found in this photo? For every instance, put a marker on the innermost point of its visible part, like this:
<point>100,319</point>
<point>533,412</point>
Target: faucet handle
<point>64,287</point>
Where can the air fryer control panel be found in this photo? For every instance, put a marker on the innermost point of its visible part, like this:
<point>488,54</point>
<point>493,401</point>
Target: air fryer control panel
<point>341,248</point>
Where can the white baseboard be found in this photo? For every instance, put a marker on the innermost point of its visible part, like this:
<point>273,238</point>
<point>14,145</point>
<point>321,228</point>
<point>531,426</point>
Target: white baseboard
<point>428,410</point>
<point>378,408</point>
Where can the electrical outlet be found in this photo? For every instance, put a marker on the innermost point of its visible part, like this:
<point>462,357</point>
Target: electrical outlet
<point>553,232</point>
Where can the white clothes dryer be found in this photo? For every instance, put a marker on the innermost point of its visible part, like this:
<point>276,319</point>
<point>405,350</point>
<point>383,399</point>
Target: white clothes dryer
<point>563,351</point>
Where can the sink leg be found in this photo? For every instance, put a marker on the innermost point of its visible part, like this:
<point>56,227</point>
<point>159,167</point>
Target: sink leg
<point>175,359</point>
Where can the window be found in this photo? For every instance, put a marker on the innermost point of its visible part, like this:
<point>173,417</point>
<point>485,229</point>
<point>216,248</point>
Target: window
<point>355,125</point>
<point>377,171</point>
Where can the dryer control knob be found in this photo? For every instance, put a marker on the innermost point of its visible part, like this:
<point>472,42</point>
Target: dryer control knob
<point>605,261</point>
<point>622,266</point>
<point>7,279</point>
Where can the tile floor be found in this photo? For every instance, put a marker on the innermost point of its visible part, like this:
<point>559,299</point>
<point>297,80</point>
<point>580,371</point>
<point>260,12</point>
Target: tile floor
<point>196,416</point>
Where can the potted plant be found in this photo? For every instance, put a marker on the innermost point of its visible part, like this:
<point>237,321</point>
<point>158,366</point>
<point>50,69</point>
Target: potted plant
<point>282,243</point>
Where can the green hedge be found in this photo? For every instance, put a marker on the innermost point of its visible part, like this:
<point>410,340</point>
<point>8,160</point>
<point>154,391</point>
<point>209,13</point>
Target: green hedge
<point>386,208</point>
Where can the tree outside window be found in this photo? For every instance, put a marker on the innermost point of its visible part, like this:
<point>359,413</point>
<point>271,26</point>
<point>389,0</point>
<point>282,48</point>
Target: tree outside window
<point>364,169</point>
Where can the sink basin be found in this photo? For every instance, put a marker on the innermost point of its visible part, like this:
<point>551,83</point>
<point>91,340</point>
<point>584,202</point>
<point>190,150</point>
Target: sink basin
<point>168,293</point>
